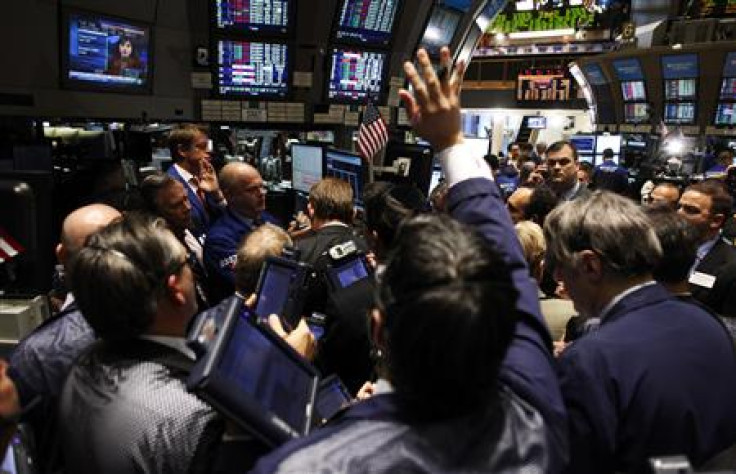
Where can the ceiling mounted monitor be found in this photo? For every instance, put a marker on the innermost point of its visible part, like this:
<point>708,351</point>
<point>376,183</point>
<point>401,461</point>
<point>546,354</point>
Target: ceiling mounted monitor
<point>356,76</point>
<point>366,22</point>
<point>252,69</point>
<point>441,29</point>
<point>251,16</point>
<point>102,53</point>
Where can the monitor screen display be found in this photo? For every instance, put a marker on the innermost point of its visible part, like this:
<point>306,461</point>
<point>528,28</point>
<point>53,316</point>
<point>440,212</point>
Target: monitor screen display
<point>441,29</point>
<point>348,167</point>
<point>105,53</point>
<point>633,90</point>
<point>537,122</point>
<point>680,66</point>
<point>257,16</point>
<point>636,113</point>
<point>594,73</point>
<point>675,89</point>
<point>306,162</point>
<point>356,75</point>
<point>367,22</point>
<point>728,88</point>
<point>726,114</point>
<point>682,113</point>
<point>729,65</point>
<point>628,69</point>
<point>543,87</point>
<point>585,144</point>
<point>252,69</point>
<point>608,141</point>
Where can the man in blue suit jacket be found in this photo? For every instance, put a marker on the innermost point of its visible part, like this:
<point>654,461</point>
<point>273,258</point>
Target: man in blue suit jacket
<point>189,146</point>
<point>658,377</point>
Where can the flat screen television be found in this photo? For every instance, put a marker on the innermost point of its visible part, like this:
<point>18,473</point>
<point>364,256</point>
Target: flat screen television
<point>628,69</point>
<point>594,74</point>
<point>633,91</point>
<point>348,167</point>
<point>636,113</point>
<point>679,112</point>
<point>585,144</point>
<point>356,76</point>
<point>536,123</point>
<point>680,66</point>
<point>247,16</point>
<point>542,87</point>
<point>679,89</point>
<point>441,29</point>
<point>307,166</point>
<point>252,69</point>
<point>726,113</point>
<point>608,141</point>
<point>366,22</point>
<point>728,88</point>
<point>104,53</point>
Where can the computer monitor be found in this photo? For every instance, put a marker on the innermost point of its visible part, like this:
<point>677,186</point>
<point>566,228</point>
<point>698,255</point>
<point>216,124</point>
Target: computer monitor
<point>584,144</point>
<point>679,89</point>
<point>356,76</point>
<point>608,141</point>
<point>628,69</point>
<point>679,112</point>
<point>366,22</point>
<point>348,167</point>
<point>633,91</point>
<point>271,17</point>
<point>441,28</point>
<point>252,69</point>
<point>636,112</point>
<point>307,166</point>
<point>251,375</point>
<point>680,66</point>
<point>413,163</point>
<point>536,123</point>
<point>726,113</point>
<point>104,53</point>
<point>728,88</point>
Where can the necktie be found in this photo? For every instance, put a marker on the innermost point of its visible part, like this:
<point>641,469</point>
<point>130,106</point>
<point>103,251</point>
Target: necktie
<point>199,191</point>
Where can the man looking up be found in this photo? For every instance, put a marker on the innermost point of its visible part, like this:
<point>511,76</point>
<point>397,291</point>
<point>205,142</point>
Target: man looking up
<point>189,147</point>
<point>562,164</point>
<point>245,192</point>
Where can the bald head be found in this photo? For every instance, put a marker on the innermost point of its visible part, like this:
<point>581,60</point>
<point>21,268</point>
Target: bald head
<point>80,224</point>
<point>518,202</point>
<point>243,188</point>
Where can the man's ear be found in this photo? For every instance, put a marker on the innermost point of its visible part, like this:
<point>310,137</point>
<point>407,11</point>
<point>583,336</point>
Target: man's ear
<point>61,254</point>
<point>377,324</point>
<point>175,289</point>
<point>310,210</point>
<point>591,265</point>
<point>717,221</point>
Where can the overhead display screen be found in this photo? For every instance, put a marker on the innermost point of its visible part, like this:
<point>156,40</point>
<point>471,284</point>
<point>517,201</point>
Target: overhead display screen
<point>543,87</point>
<point>680,66</point>
<point>106,53</point>
<point>367,22</point>
<point>356,75</point>
<point>264,16</point>
<point>633,91</point>
<point>677,89</point>
<point>441,29</point>
<point>252,69</point>
<point>636,113</point>
<point>595,75</point>
<point>628,70</point>
<point>725,114</point>
<point>584,144</point>
<point>679,113</point>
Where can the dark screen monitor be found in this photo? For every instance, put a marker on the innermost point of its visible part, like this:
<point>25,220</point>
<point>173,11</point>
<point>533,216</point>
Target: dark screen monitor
<point>679,89</point>
<point>413,164</point>
<point>726,113</point>
<point>633,91</point>
<point>348,167</point>
<point>356,76</point>
<point>537,123</point>
<point>252,69</point>
<point>306,162</point>
<point>441,29</point>
<point>636,113</point>
<point>679,112</point>
<point>103,53</point>
<point>253,376</point>
<point>366,22</point>
<point>253,16</point>
<point>585,144</point>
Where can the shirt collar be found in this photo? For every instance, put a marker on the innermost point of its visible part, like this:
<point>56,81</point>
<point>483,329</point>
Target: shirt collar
<point>707,246</point>
<point>186,175</point>
<point>572,191</point>
<point>607,309</point>
<point>177,343</point>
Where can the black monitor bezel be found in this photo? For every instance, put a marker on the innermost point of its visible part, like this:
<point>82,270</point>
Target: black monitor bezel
<point>249,33</point>
<point>383,45</point>
<point>215,68</point>
<point>74,84</point>
<point>379,97</point>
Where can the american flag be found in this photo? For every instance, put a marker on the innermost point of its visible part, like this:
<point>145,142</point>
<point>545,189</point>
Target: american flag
<point>9,247</point>
<point>372,135</point>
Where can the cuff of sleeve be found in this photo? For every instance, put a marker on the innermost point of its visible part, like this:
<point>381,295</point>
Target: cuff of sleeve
<point>459,164</point>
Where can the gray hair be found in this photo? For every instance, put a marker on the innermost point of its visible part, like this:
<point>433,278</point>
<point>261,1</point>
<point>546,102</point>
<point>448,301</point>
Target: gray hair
<point>611,225</point>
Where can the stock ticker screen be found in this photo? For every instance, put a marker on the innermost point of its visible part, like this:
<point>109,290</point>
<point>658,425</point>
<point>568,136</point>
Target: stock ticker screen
<point>348,167</point>
<point>269,16</point>
<point>367,22</point>
<point>356,75</point>
<point>252,69</point>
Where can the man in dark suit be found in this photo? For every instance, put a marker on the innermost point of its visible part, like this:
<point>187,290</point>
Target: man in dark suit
<point>189,147</point>
<point>658,376</point>
<point>246,203</point>
<point>712,279</point>
<point>562,164</point>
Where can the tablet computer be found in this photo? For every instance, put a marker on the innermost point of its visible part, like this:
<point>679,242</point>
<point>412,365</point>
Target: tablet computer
<point>281,290</point>
<point>254,378</point>
<point>332,397</point>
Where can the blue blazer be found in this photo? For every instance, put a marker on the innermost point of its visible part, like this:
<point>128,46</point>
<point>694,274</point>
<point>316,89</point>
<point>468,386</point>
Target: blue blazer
<point>201,216</point>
